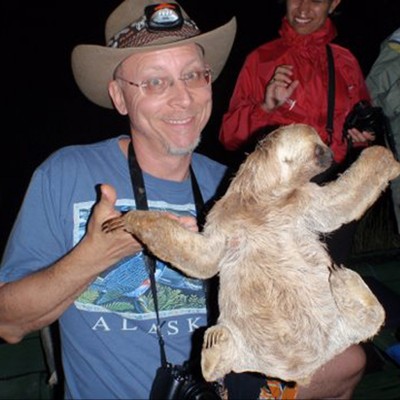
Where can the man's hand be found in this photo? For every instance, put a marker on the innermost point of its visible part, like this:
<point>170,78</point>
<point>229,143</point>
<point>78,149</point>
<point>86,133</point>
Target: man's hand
<point>108,248</point>
<point>186,221</point>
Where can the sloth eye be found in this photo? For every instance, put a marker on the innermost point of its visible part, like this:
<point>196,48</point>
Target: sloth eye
<point>319,150</point>
<point>323,155</point>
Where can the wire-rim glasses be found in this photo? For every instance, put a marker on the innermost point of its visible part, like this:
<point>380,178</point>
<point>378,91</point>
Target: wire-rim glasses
<point>158,85</point>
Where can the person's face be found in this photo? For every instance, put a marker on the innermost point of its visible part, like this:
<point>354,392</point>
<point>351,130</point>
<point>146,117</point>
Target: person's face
<point>307,16</point>
<point>172,121</point>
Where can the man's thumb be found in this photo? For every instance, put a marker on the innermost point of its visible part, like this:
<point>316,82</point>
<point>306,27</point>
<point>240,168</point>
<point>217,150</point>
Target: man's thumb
<point>108,196</point>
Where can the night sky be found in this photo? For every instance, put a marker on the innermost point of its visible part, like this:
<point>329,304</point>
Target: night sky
<point>44,110</point>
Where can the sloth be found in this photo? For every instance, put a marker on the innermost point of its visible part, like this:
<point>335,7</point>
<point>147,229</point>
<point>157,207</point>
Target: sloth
<point>285,308</point>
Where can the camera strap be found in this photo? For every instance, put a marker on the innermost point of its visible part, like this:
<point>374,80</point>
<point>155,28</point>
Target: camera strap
<point>331,93</point>
<point>139,192</point>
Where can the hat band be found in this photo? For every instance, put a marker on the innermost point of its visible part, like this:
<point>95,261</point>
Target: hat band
<point>137,34</point>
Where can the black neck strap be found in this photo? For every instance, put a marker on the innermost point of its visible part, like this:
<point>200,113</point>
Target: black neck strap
<point>331,93</point>
<point>139,192</point>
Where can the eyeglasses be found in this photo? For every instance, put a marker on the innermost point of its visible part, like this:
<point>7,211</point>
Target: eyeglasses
<point>158,85</point>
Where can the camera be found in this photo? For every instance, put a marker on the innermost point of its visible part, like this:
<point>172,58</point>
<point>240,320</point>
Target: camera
<point>365,117</point>
<point>177,382</point>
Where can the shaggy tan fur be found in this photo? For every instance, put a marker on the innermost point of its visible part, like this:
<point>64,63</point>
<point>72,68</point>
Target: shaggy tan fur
<point>285,310</point>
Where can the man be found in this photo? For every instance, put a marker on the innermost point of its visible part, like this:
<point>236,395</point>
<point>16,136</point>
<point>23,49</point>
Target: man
<point>383,81</point>
<point>59,264</point>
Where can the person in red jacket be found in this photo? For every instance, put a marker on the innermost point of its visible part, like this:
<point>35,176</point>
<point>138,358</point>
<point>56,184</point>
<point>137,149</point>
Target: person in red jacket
<point>286,81</point>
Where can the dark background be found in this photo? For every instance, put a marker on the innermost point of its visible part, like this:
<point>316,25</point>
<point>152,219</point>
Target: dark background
<point>43,109</point>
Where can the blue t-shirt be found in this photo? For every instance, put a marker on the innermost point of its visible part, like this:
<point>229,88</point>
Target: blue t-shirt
<point>110,347</point>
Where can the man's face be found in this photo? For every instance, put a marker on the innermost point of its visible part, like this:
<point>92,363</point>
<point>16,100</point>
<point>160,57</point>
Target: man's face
<point>172,120</point>
<point>307,16</point>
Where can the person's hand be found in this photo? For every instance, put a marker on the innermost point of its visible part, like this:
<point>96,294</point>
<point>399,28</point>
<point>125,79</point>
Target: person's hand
<point>107,249</point>
<point>186,221</point>
<point>280,88</point>
<point>357,136</point>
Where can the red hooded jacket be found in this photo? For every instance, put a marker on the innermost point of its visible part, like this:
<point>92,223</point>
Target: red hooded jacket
<point>307,54</point>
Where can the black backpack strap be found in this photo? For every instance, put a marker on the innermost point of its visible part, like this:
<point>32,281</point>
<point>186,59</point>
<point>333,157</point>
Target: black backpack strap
<point>331,93</point>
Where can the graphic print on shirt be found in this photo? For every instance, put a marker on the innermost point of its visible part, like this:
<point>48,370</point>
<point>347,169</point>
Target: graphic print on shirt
<point>125,287</point>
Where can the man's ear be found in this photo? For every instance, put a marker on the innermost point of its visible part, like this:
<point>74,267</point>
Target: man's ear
<point>117,96</point>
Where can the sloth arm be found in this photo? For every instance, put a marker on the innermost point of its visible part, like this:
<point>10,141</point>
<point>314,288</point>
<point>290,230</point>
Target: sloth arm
<point>348,197</point>
<point>191,252</point>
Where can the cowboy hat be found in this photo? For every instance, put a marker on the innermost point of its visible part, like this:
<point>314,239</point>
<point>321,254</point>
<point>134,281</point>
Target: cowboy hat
<point>128,32</point>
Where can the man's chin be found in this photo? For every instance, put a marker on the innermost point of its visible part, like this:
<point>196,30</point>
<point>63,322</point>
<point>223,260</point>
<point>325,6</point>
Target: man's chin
<point>183,151</point>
